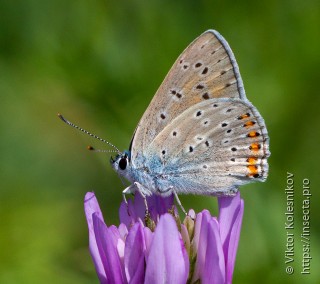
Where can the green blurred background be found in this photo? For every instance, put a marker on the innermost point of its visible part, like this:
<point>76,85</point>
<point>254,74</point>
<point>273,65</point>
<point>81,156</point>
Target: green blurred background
<point>99,63</point>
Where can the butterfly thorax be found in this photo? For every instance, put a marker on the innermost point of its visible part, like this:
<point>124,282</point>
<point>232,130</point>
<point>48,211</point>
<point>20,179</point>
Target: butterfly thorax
<point>151,174</point>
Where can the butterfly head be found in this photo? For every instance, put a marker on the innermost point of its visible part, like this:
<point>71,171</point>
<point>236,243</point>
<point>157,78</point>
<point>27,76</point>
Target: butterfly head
<point>121,164</point>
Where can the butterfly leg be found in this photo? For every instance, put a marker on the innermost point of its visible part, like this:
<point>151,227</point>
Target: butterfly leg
<point>129,190</point>
<point>179,202</point>
<point>141,190</point>
<point>147,217</point>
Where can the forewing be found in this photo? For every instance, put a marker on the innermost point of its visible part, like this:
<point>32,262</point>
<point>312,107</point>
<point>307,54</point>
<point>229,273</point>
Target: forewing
<point>206,69</point>
<point>212,147</point>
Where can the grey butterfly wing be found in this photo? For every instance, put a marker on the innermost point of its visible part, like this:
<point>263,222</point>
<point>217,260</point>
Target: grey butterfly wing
<point>211,148</point>
<point>206,69</point>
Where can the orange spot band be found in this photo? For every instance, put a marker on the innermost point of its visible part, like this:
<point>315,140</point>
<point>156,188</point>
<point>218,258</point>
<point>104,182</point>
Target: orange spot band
<point>252,160</point>
<point>252,134</point>
<point>253,171</point>
<point>246,115</point>
<point>255,147</point>
<point>249,123</point>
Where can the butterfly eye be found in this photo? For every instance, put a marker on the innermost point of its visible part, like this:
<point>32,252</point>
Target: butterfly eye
<point>123,163</point>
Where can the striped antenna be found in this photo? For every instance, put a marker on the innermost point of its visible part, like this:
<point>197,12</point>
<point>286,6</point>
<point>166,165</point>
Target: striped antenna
<point>90,134</point>
<point>90,148</point>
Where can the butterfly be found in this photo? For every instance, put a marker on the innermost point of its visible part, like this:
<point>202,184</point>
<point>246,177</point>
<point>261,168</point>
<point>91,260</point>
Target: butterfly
<point>200,134</point>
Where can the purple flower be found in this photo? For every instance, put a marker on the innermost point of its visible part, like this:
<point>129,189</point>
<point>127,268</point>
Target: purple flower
<point>162,249</point>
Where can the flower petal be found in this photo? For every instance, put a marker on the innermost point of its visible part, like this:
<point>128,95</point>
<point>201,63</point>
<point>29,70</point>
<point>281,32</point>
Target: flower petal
<point>119,243</point>
<point>185,237</point>
<point>123,231</point>
<point>197,230</point>
<point>148,237</point>
<point>230,220</point>
<point>192,214</point>
<point>124,216</point>
<point>228,208</point>
<point>234,241</point>
<point>133,211</point>
<point>214,268</point>
<point>134,254</point>
<point>168,261</point>
<point>139,208</point>
<point>91,206</point>
<point>159,205</point>
<point>210,265</point>
<point>107,245</point>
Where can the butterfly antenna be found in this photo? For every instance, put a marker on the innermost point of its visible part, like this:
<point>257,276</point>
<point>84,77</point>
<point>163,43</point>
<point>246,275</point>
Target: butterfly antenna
<point>87,132</point>
<point>90,148</point>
